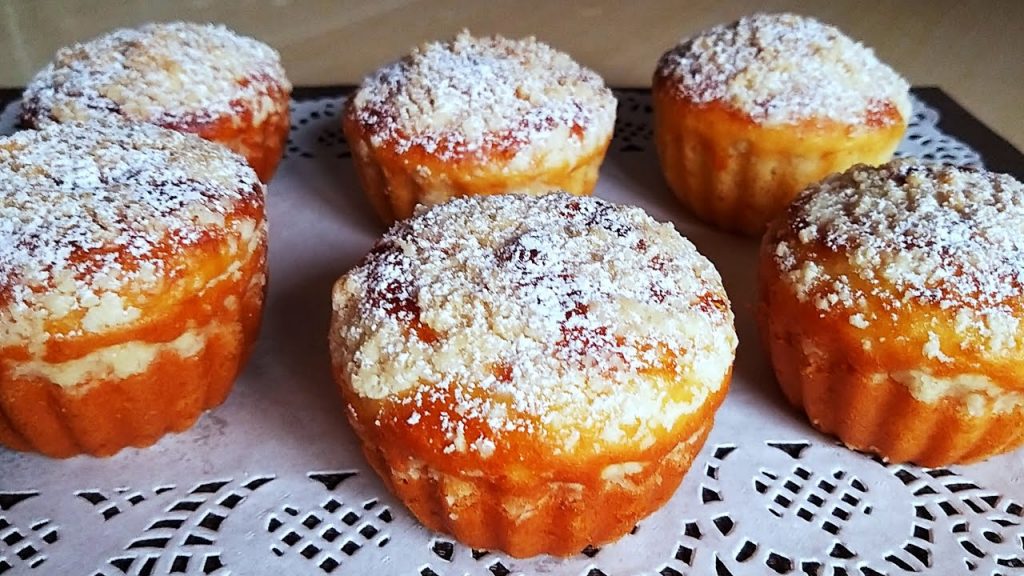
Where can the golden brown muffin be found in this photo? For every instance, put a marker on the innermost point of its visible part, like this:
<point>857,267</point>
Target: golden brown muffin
<point>746,115</point>
<point>477,116</point>
<point>891,304</point>
<point>196,78</point>
<point>132,269</point>
<point>532,374</point>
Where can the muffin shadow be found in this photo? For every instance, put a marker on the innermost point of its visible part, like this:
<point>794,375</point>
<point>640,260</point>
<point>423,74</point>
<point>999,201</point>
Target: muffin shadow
<point>294,373</point>
<point>319,158</point>
<point>298,318</point>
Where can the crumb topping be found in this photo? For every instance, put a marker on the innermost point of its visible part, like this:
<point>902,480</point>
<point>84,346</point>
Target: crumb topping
<point>784,68</point>
<point>556,316</point>
<point>978,393</point>
<point>163,73</point>
<point>914,234</point>
<point>87,210</point>
<point>477,96</point>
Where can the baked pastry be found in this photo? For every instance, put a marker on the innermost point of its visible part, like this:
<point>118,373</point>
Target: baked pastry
<point>748,114</point>
<point>198,78</point>
<point>132,268</point>
<point>532,374</point>
<point>477,116</point>
<point>891,304</point>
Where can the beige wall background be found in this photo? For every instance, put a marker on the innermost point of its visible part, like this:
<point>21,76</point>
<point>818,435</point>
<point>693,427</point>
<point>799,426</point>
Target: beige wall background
<point>972,49</point>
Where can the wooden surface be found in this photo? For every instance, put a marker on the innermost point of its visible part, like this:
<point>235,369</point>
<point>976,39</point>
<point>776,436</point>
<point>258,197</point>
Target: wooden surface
<point>972,49</point>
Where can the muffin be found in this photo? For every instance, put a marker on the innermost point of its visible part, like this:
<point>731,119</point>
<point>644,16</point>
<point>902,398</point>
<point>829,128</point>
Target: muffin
<point>891,304</point>
<point>196,78</point>
<point>477,116</point>
<point>532,374</point>
<point>748,114</point>
<point>132,268</point>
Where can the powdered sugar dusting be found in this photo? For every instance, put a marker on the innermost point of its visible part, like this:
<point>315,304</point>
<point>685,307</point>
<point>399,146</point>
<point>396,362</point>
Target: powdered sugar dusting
<point>915,234</point>
<point>475,96</point>
<point>87,210</point>
<point>784,68</point>
<point>553,315</point>
<point>161,73</point>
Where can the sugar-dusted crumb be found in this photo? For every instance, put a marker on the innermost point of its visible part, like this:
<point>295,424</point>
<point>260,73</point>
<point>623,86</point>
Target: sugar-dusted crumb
<point>550,315</point>
<point>784,68</point>
<point>87,210</point>
<point>162,73</point>
<point>473,96</point>
<point>915,234</point>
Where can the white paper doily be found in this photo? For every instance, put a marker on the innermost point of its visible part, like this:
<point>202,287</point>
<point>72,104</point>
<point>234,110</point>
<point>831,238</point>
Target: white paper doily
<point>273,482</point>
